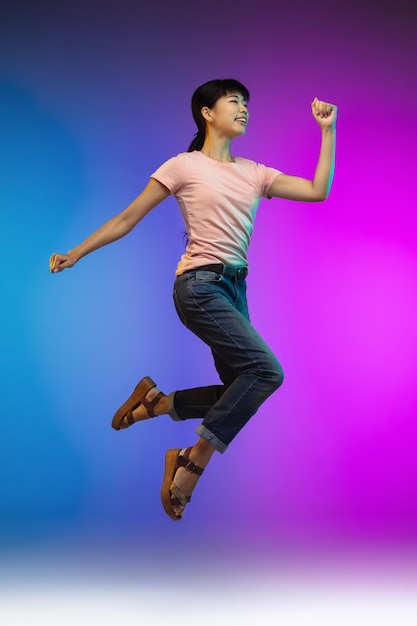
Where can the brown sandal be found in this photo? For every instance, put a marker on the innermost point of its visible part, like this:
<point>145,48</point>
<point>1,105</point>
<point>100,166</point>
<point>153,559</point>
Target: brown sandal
<point>171,495</point>
<point>138,397</point>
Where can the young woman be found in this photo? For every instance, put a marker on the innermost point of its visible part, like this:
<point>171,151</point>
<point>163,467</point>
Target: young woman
<point>218,195</point>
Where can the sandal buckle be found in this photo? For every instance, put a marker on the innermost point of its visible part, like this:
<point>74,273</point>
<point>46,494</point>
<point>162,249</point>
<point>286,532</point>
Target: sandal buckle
<point>191,467</point>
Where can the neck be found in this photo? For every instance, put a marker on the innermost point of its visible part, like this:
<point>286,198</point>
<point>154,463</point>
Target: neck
<point>218,150</point>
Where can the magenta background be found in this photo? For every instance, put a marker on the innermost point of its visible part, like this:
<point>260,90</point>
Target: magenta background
<point>94,96</point>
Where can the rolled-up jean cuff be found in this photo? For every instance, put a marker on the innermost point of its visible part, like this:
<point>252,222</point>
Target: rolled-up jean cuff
<point>171,408</point>
<point>211,439</point>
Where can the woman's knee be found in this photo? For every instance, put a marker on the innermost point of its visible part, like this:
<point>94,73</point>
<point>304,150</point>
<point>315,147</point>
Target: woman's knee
<point>278,376</point>
<point>275,375</point>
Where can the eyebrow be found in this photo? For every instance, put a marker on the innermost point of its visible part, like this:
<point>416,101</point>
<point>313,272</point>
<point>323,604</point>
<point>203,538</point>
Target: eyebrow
<point>235,95</point>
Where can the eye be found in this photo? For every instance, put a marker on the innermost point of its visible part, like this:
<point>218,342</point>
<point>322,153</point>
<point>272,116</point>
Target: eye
<point>236,100</point>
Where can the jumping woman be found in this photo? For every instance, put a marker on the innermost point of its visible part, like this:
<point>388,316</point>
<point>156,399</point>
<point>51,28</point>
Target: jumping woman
<point>218,195</point>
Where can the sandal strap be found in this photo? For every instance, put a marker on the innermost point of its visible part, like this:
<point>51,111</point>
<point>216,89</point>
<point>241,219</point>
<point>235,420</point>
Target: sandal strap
<point>149,404</point>
<point>178,497</point>
<point>129,418</point>
<point>191,467</point>
<point>177,502</point>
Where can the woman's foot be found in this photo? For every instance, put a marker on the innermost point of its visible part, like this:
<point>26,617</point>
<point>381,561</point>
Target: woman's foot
<point>183,484</point>
<point>145,402</point>
<point>159,408</point>
<point>182,471</point>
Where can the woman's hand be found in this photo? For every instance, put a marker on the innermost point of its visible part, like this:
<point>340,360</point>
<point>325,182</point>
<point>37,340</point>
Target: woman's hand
<point>59,262</point>
<point>324,113</point>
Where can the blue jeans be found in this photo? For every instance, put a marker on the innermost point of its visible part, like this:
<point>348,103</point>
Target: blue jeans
<point>213,306</point>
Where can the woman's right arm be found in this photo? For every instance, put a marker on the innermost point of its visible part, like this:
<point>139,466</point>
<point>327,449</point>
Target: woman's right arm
<point>116,228</point>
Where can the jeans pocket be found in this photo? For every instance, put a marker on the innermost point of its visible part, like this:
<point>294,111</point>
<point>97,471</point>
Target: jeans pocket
<point>206,276</point>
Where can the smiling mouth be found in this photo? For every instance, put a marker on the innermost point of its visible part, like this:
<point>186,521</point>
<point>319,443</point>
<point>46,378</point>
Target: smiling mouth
<point>242,120</point>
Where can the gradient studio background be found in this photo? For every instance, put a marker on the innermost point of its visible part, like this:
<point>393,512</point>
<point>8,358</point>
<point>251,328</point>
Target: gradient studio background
<point>94,96</point>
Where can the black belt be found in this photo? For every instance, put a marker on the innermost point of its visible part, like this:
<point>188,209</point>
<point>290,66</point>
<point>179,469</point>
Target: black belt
<point>237,272</point>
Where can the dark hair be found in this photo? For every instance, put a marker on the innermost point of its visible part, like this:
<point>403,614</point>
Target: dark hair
<point>206,96</point>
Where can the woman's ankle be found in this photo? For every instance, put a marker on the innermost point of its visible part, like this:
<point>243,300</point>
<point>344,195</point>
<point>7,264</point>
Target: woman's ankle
<point>201,452</point>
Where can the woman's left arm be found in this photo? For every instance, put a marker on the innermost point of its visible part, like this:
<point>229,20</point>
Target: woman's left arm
<point>316,190</point>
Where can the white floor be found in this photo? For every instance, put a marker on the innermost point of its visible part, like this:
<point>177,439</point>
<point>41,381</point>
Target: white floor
<point>116,598</point>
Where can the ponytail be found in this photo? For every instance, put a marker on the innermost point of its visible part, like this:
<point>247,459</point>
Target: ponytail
<point>198,141</point>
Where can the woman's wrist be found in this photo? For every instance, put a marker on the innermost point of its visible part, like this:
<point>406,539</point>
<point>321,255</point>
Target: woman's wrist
<point>74,255</point>
<point>328,131</point>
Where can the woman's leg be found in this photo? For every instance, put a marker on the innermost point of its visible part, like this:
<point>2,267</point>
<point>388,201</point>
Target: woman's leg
<point>215,309</point>
<point>213,306</point>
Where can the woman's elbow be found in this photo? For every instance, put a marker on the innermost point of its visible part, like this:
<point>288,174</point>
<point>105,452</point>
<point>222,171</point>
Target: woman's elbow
<point>319,195</point>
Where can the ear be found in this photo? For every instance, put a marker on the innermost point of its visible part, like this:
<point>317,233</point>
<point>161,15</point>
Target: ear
<point>205,112</point>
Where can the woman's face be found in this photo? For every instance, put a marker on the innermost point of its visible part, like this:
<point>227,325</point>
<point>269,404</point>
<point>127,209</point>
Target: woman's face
<point>229,116</point>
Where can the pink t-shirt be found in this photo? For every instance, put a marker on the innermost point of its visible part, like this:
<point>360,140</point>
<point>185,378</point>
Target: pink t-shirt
<point>218,202</point>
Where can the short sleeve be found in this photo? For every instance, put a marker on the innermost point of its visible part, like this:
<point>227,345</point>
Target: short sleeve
<point>171,173</point>
<point>268,175</point>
